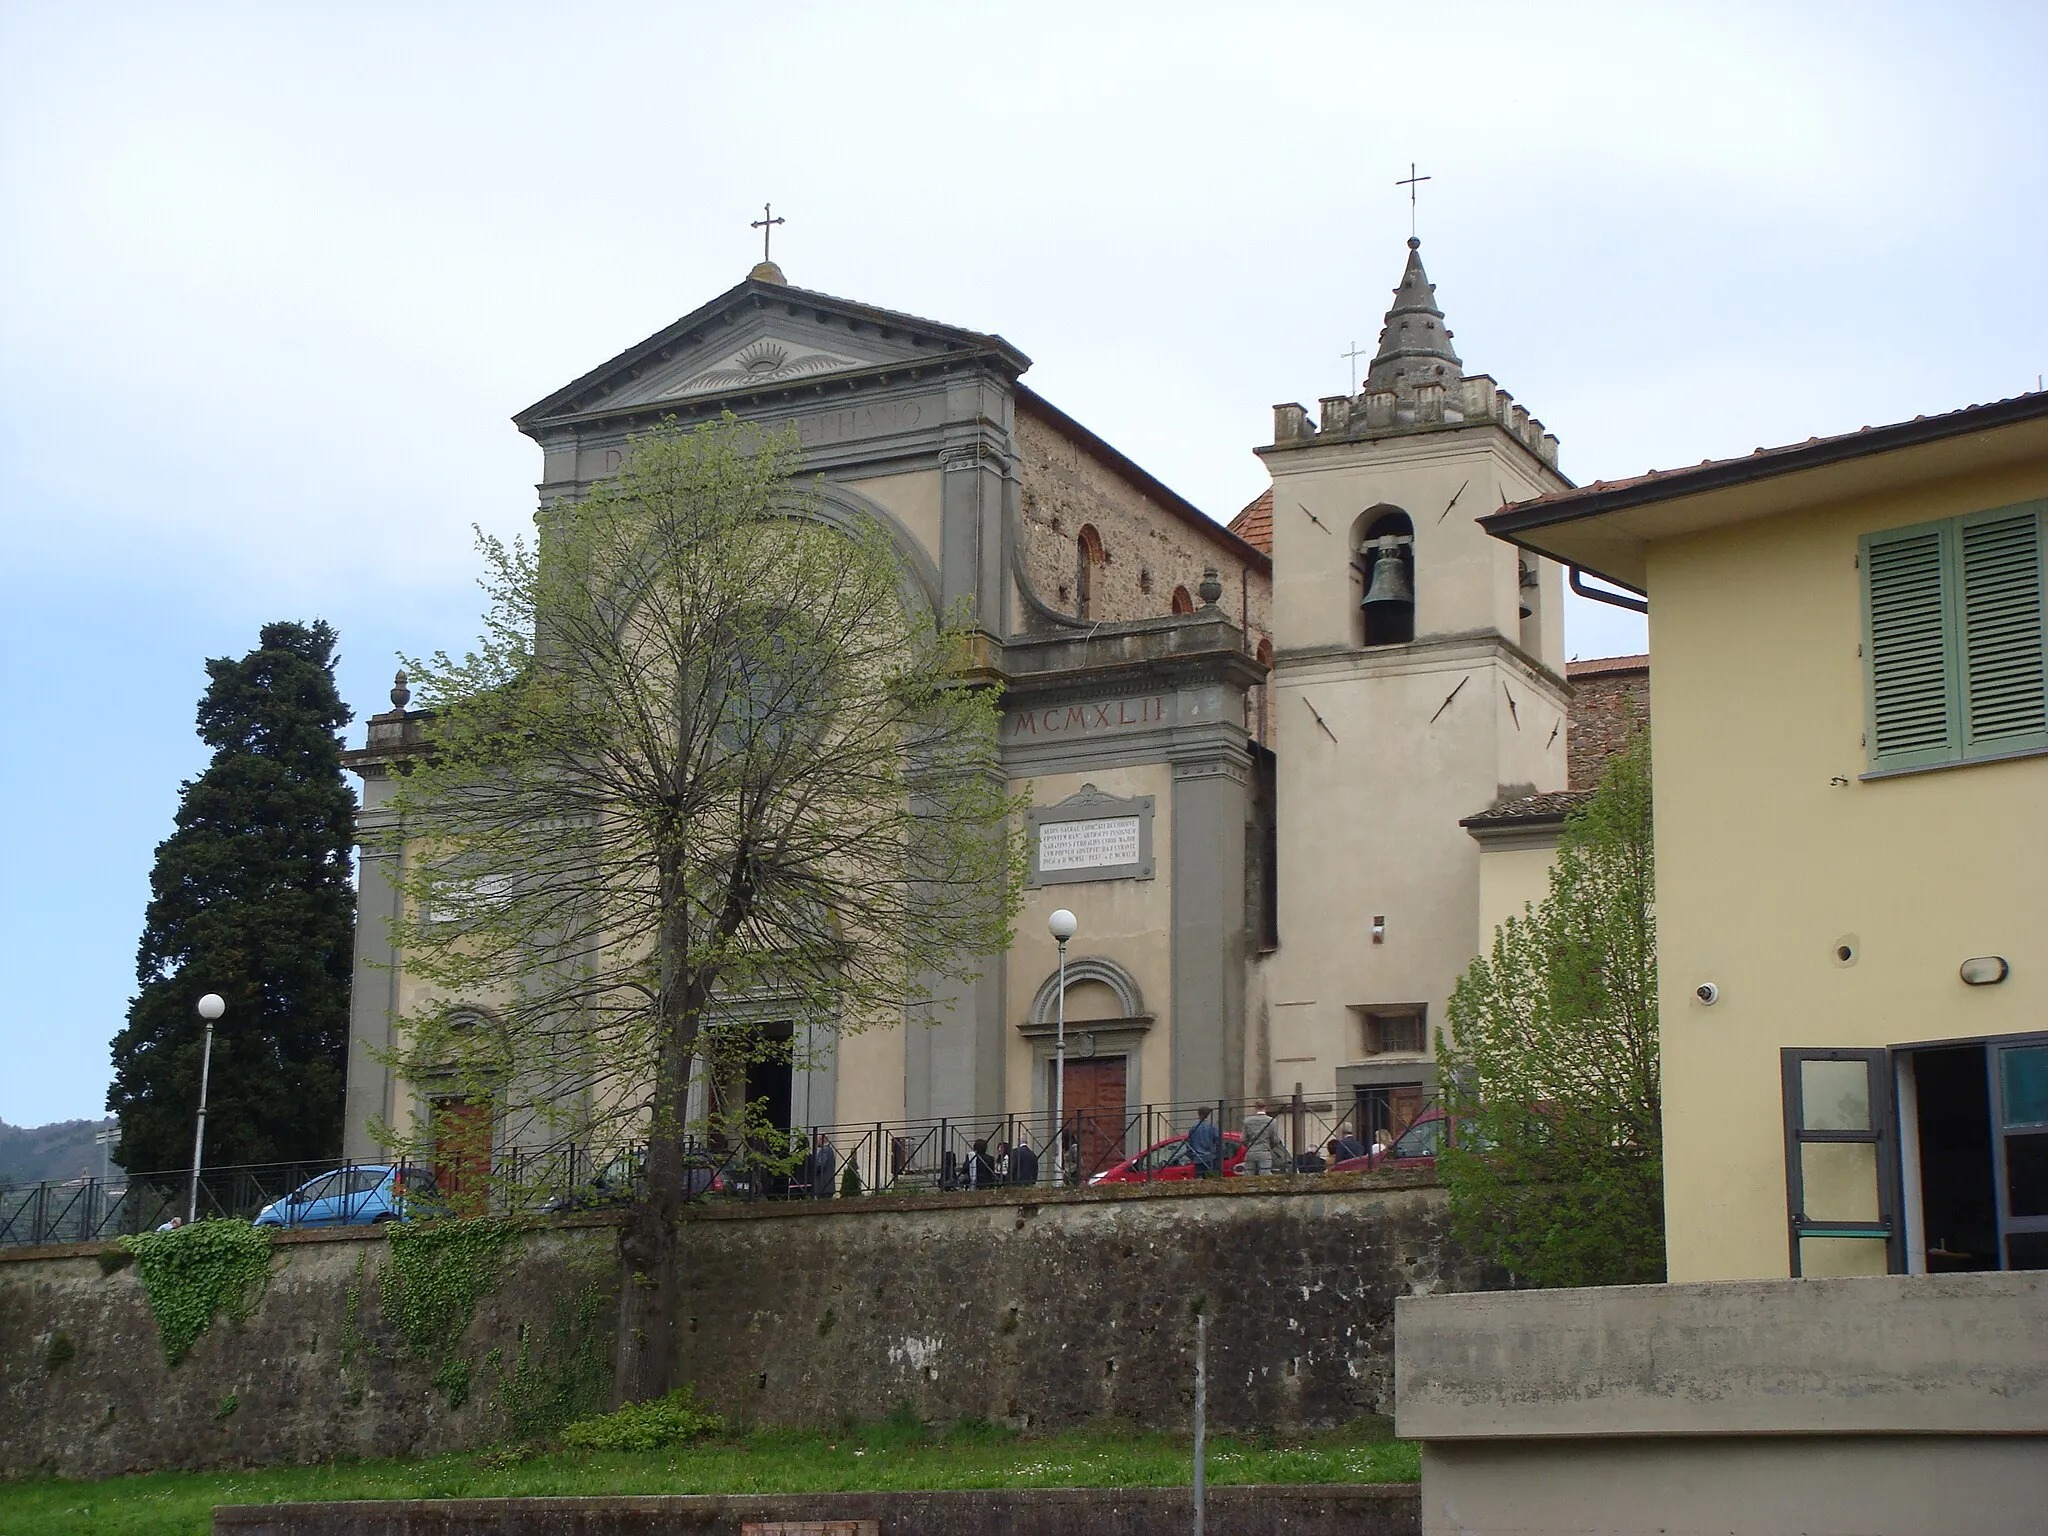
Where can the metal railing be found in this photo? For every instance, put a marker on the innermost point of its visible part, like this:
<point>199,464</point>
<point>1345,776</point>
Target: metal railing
<point>1141,1145</point>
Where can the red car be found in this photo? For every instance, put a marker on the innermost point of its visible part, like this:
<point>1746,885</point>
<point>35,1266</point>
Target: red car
<point>1169,1159</point>
<point>1415,1147</point>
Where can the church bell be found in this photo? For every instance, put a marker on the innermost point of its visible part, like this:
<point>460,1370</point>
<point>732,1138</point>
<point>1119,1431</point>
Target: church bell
<point>1389,583</point>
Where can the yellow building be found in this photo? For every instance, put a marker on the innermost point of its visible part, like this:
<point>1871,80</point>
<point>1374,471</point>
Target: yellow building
<point>1851,773</point>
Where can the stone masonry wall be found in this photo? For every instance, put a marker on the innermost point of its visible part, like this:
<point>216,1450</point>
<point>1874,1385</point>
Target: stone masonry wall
<point>1147,550</point>
<point>1036,1312</point>
<point>1043,1315</point>
<point>307,1377</point>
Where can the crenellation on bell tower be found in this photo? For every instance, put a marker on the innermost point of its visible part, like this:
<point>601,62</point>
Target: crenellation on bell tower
<point>1417,383</point>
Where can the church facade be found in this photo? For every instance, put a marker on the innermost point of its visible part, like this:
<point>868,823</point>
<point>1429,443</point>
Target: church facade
<point>1247,748</point>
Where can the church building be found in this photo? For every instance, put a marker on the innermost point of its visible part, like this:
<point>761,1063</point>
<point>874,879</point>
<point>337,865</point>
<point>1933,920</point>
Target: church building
<point>1248,748</point>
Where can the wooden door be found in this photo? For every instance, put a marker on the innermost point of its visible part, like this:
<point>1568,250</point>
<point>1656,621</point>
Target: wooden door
<point>1404,1103</point>
<point>462,1154</point>
<point>1095,1111</point>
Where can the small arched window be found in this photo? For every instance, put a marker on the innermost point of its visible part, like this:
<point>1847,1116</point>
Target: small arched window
<point>1182,602</point>
<point>1087,555</point>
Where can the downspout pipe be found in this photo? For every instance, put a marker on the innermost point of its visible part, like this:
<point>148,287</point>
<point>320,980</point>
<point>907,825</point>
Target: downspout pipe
<point>1612,599</point>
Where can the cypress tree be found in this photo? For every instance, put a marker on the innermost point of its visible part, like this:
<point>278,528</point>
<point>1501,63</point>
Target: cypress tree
<point>250,897</point>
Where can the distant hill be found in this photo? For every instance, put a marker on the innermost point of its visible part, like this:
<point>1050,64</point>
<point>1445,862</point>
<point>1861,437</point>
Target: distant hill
<point>30,1154</point>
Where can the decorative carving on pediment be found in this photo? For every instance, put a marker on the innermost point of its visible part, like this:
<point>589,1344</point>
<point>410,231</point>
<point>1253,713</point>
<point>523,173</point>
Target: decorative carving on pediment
<point>765,361</point>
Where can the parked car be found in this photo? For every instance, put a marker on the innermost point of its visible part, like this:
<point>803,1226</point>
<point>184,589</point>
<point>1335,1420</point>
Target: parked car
<point>1415,1147</point>
<point>360,1196</point>
<point>1169,1159</point>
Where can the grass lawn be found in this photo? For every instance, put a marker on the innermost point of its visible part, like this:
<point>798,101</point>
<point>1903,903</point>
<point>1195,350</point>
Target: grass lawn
<point>881,1455</point>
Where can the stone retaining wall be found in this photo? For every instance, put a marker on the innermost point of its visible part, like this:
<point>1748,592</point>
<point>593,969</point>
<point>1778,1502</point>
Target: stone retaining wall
<point>1036,1312</point>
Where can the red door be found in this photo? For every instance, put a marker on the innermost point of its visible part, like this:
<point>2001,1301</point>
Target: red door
<point>1095,1111</point>
<point>462,1154</point>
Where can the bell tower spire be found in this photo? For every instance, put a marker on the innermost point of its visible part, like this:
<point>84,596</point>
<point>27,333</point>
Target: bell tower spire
<point>1415,344</point>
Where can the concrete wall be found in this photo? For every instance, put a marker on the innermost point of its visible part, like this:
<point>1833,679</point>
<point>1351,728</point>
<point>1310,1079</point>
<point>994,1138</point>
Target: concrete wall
<point>1772,851</point>
<point>1040,1313</point>
<point>1893,1404</point>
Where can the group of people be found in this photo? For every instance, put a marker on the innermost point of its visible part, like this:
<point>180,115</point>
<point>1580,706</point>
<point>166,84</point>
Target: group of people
<point>988,1166</point>
<point>1265,1149</point>
<point>1000,1164</point>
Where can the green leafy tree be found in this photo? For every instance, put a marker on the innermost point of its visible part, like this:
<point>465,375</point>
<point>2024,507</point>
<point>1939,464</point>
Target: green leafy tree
<point>713,760</point>
<point>1550,1069</point>
<point>250,897</point>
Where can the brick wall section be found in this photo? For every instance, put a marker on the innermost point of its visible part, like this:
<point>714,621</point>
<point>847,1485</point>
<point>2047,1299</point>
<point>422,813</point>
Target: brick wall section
<point>1148,550</point>
<point>1610,701</point>
<point>1041,1312</point>
<point>1149,547</point>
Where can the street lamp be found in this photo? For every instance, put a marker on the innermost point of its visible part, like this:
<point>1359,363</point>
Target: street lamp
<point>210,1008</point>
<point>1063,925</point>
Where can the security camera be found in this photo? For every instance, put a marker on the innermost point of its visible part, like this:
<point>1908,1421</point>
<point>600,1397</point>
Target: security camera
<point>1707,993</point>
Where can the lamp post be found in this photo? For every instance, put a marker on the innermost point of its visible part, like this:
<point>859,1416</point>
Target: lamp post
<point>1063,925</point>
<point>210,1008</point>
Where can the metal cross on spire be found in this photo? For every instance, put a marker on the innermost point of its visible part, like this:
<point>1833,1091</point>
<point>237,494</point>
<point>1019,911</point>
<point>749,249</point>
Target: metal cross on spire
<point>767,222</point>
<point>1355,354</point>
<point>1411,181</point>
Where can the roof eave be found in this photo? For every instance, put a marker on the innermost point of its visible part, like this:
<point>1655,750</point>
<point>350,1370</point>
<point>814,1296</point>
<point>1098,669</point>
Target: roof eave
<point>1546,527</point>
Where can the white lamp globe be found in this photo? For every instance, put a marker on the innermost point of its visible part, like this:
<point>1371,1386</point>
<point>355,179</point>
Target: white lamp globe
<point>211,1007</point>
<point>1063,925</point>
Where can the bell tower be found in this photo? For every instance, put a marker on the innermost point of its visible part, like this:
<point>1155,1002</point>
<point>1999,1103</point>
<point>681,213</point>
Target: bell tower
<point>1418,679</point>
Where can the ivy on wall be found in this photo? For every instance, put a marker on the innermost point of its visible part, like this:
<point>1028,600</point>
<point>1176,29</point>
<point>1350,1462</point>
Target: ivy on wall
<point>437,1273</point>
<point>558,1373</point>
<point>193,1273</point>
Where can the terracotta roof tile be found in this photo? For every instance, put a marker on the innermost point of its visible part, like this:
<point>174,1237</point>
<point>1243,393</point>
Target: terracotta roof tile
<point>1597,665</point>
<point>1255,523</point>
<point>1534,810</point>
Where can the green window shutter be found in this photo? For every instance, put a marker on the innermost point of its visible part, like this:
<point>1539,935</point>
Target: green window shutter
<point>1913,713</point>
<point>2004,679</point>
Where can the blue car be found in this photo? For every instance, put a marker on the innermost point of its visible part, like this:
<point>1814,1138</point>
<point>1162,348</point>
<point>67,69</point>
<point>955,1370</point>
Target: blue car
<point>354,1197</point>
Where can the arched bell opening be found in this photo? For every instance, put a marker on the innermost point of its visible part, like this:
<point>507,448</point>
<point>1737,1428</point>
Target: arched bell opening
<point>1383,539</point>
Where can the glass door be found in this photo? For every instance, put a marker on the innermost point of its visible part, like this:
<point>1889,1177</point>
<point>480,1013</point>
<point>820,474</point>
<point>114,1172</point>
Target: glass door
<point>1842,1164</point>
<point>2019,1088</point>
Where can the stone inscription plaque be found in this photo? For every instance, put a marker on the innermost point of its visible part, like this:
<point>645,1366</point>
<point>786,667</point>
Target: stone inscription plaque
<point>1102,843</point>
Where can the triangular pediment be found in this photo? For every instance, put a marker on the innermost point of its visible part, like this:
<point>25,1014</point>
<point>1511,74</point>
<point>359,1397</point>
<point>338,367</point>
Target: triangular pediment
<point>761,336</point>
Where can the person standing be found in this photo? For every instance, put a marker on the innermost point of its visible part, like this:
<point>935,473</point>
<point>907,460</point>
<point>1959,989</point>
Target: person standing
<point>1023,1165</point>
<point>1264,1152</point>
<point>1205,1145</point>
<point>981,1168</point>
<point>820,1167</point>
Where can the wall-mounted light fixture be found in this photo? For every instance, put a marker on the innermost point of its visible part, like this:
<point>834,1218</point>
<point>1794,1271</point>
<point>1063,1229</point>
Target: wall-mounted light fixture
<point>1985,970</point>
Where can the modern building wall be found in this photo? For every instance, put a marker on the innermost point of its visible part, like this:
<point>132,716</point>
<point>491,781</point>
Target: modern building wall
<point>1774,852</point>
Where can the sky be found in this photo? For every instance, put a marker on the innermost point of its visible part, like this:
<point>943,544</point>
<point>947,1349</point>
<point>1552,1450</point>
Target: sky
<point>273,278</point>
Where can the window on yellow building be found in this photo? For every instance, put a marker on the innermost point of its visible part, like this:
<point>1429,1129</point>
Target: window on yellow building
<point>1954,630</point>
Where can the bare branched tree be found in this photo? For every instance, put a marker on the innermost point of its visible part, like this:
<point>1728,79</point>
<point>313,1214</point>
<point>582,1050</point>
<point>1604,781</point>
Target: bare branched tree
<point>712,754</point>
